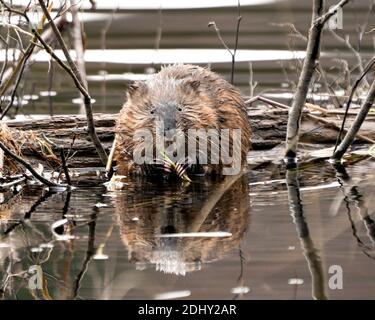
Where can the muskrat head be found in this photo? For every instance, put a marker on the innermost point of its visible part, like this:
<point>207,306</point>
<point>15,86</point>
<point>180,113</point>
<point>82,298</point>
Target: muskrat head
<point>176,104</point>
<point>163,117</point>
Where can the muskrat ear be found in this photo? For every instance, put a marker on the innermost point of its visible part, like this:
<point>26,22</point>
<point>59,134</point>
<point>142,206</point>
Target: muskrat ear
<point>134,87</point>
<point>194,84</point>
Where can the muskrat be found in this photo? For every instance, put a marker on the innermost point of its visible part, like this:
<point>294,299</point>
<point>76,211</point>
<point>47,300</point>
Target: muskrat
<point>182,98</point>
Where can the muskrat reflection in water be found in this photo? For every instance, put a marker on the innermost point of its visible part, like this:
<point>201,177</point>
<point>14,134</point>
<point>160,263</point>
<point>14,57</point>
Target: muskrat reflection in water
<point>147,215</point>
<point>178,100</point>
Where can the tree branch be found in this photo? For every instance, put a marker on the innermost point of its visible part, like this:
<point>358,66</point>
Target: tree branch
<point>77,76</point>
<point>356,125</point>
<point>331,12</point>
<point>43,180</point>
<point>353,90</point>
<point>309,65</point>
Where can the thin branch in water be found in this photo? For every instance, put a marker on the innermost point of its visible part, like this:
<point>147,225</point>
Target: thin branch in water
<point>48,35</point>
<point>252,83</point>
<point>318,20</point>
<point>65,167</point>
<point>14,91</point>
<point>159,30</point>
<point>353,90</point>
<point>292,29</point>
<point>5,63</point>
<point>299,99</point>
<point>307,245</point>
<point>77,32</point>
<point>18,70</point>
<point>79,83</point>
<point>218,33</point>
<point>89,254</point>
<point>356,54</point>
<point>362,28</point>
<point>370,31</point>
<point>356,125</point>
<point>18,159</point>
<point>50,84</point>
<point>103,46</point>
<point>45,196</point>
<point>239,18</point>
<point>331,12</point>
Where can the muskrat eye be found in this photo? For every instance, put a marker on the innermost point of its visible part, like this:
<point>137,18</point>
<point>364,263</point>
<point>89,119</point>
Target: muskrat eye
<point>179,108</point>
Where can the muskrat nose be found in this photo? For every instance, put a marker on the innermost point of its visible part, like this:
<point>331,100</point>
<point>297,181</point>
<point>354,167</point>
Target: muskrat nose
<point>169,124</point>
<point>169,117</point>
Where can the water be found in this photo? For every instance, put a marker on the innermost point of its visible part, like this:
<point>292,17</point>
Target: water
<point>247,238</point>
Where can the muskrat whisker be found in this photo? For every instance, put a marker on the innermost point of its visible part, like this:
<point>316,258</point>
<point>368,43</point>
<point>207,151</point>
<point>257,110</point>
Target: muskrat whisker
<point>175,167</point>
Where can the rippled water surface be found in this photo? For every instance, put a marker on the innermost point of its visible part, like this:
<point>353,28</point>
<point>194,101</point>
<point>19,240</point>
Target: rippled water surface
<point>262,235</point>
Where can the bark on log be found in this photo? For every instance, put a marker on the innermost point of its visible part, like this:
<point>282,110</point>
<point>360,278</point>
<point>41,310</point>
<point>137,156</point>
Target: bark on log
<point>268,125</point>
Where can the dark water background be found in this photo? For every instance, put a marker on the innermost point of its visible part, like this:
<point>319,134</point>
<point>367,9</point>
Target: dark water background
<point>264,245</point>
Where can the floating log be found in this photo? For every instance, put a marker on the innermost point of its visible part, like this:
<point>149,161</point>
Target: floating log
<point>268,125</point>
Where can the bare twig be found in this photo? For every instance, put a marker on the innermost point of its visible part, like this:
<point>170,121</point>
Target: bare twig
<point>294,32</point>
<point>356,125</point>
<point>12,183</point>
<point>252,83</point>
<point>159,30</point>
<point>78,47</point>
<point>353,90</point>
<point>362,27</point>
<point>370,31</point>
<point>354,51</point>
<point>6,43</point>
<point>18,70</point>
<point>43,180</point>
<point>17,29</point>
<point>328,88</point>
<point>47,35</point>
<point>233,54</point>
<point>19,66</point>
<point>50,85</point>
<point>239,18</point>
<point>109,165</point>
<point>310,62</point>
<point>22,68</point>
<point>65,167</point>
<point>292,29</point>
<point>311,116</point>
<point>79,83</point>
<point>103,46</point>
<point>331,12</point>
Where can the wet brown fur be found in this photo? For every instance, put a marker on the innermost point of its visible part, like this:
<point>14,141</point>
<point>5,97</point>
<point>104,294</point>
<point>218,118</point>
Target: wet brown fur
<point>205,100</point>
